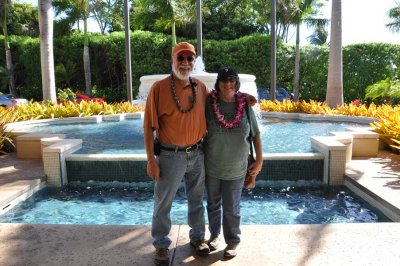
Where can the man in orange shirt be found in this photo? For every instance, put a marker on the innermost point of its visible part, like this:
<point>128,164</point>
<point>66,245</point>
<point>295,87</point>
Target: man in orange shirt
<point>175,109</point>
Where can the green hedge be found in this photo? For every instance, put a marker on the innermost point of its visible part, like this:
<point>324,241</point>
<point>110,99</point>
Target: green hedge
<point>363,64</point>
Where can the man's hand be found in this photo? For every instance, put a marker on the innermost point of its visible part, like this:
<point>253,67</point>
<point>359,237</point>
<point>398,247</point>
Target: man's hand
<point>251,100</point>
<point>153,170</point>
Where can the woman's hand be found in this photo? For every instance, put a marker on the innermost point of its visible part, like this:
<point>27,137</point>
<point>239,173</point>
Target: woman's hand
<point>256,166</point>
<point>252,172</point>
<point>250,182</point>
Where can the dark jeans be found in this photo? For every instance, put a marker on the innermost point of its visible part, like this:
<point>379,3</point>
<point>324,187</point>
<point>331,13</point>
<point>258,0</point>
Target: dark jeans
<point>225,194</point>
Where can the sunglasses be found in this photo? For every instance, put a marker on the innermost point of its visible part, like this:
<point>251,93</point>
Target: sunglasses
<point>229,79</point>
<point>182,58</point>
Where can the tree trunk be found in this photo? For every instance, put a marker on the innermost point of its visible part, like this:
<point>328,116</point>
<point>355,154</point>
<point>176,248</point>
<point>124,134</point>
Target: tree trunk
<point>297,66</point>
<point>88,74</point>
<point>128,57</point>
<point>9,64</point>
<point>46,50</point>
<point>86,60</point>
<point>272,89</point>
<point>199,29</point>
<point>173,33</point>
<point>334,92</point>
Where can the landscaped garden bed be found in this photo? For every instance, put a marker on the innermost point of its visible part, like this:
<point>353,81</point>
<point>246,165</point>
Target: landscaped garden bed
<point>387,117</point>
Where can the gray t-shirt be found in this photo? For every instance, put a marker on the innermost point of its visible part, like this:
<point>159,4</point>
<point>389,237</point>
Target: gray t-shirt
<point>226,150</point>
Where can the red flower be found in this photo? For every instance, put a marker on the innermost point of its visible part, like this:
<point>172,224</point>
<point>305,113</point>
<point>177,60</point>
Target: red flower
<point>356,102</point>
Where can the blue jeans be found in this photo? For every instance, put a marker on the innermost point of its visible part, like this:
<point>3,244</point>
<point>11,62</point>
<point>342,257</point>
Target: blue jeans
<point>225,194</point>
<point>175,166</point>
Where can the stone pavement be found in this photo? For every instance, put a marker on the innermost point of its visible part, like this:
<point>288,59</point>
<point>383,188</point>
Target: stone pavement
<point>18,177</point>
<point>332,244</point>
<point>377,180</point>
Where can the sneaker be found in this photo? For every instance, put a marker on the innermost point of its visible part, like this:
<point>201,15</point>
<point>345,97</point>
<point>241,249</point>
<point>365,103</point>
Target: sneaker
<point>201,247</point>
<point>162,256</point>
<point>213,242</point>
<point>230,251</point>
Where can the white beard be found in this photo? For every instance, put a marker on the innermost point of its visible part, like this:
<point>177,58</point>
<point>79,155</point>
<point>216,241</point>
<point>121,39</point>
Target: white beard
<point>179,75</point>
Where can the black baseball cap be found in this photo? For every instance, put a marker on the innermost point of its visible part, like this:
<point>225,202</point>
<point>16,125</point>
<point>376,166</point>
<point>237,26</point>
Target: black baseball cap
<point>226,72</point>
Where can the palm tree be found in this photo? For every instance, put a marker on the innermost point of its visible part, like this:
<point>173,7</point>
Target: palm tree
<point>394,15</point>
<point>109,14</point>
<point>46,50</point>
<point>285,10</point>
<point>180,12</point>
<point>76,10</point>
<point>319,36</point>
<point>167,14</point>
<point>304,11</point>
<point>334,92</point>
<point>9,64</point>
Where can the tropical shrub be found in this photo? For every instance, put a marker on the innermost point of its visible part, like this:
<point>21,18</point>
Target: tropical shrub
<point>66,95</point>
<point>315,107</point>
<point>363,64</point>
<point>35,111</point>
<point>387,117</point>
<point>388,125</point>
<point>7,115</point>
<point>384,90</point>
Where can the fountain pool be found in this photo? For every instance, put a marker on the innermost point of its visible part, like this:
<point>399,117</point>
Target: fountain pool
<point>131,204</point>
<point>114,151</point>
<point>126,137</point>
<point>323,205</point>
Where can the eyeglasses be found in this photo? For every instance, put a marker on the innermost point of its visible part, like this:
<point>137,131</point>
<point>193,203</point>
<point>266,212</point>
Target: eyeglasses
<point>182,58</point>
<point>229,79</point>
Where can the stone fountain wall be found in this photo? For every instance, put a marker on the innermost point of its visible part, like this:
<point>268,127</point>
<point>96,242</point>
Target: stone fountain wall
<point>247,82</point>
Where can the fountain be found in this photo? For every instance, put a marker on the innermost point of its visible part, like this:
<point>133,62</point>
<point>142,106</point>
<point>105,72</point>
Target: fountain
<point>62,163</point>
<point>247,81</point>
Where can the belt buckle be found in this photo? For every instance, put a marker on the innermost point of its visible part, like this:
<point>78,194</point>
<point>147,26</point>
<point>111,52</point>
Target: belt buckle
<point>188,149</point>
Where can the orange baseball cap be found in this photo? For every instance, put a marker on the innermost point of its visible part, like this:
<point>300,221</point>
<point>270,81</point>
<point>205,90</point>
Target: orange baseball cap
<point>183,46</point>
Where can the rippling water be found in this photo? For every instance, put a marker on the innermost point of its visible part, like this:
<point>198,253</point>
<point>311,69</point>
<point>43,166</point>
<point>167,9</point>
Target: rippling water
<point>126,137</point>
<point>132,204</point>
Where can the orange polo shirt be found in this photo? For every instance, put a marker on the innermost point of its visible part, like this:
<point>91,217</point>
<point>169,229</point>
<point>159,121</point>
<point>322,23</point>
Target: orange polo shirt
<point>172,126</point>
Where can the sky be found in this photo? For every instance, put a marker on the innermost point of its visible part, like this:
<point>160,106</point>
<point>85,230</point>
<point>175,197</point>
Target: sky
<point>362,21</point>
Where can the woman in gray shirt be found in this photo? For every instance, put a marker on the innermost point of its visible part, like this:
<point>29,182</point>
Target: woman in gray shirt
<point>226,151</point>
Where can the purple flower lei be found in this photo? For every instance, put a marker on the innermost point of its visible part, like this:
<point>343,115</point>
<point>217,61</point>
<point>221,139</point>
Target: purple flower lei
<point>240,105</point>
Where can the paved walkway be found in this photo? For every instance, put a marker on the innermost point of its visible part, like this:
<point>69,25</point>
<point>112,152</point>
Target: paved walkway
<point>333,244</point>
<point>17,177</point>
<point>378,181</point>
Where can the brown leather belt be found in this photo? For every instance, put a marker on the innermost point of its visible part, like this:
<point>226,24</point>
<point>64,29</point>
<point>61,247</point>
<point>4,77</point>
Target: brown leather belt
<point>187,149</point>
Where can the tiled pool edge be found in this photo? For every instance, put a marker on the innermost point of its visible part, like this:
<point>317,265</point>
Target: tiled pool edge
<point>315,117</point>
<point>128,168</point>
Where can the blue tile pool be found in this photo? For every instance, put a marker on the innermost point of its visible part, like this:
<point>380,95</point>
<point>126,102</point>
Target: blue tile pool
<point>132,204</point>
